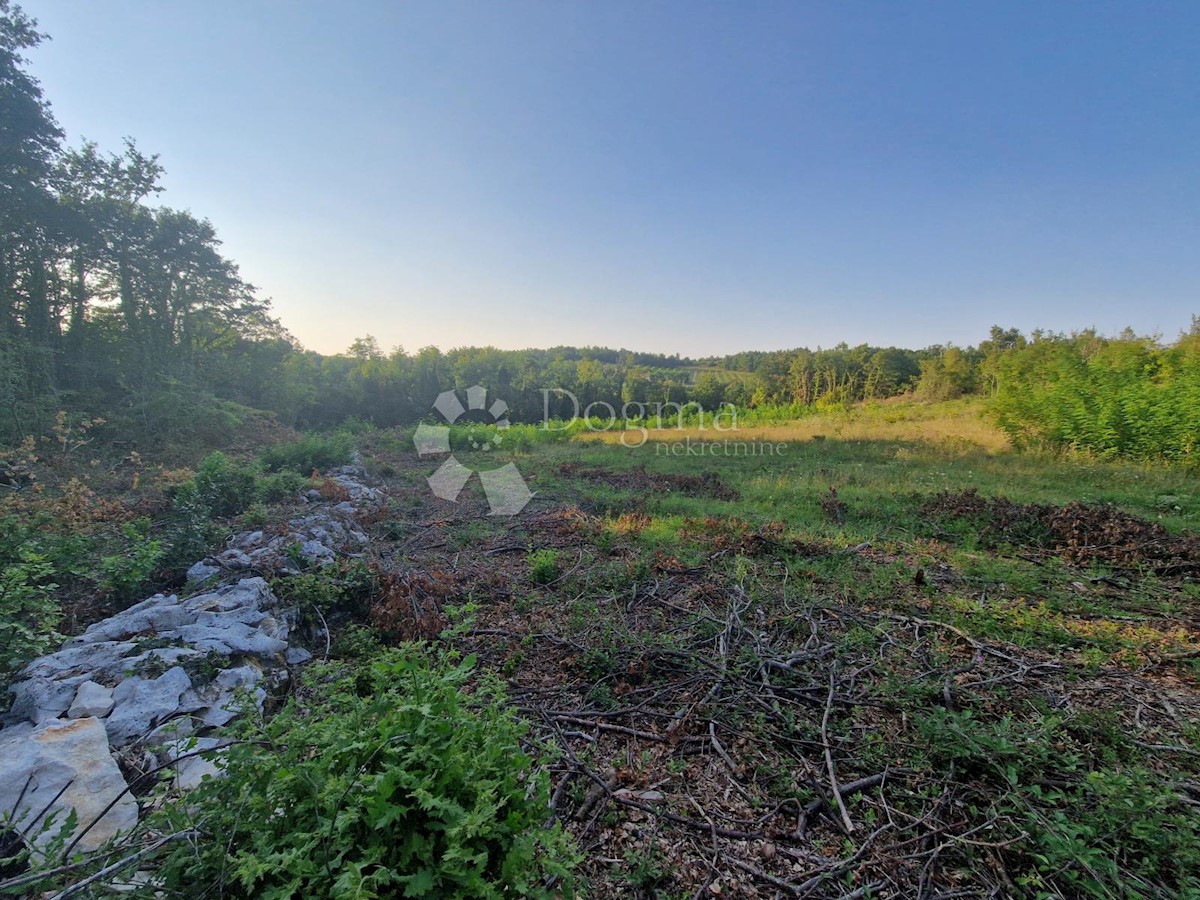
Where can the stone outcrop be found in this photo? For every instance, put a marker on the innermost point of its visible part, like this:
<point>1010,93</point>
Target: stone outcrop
<point>164,675</point>
<point>163,658</point>
<point>67,759</point>
<point>319,538</point>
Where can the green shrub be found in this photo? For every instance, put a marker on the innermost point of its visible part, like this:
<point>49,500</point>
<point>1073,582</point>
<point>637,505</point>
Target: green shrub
<point>29,613</point>
<point>190,532</point>
<point>1126,396</point>
<point>345,587</point>
<point>316,451</point>
<point>71,555</point>
<point>124,575</point>
<point>1081,819</point>
<point>255,515</point>
<point>384,780</point>
<point>174,412</point>
<point>280,486</point>
<point>357,425</point>
<point>543,565</point>
<point>224,486</point>
<point>221,487</point>
<point>356,642</point>
<point>514,438</point>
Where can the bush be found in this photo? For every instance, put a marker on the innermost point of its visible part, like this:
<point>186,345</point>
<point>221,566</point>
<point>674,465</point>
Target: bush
<point>356,642</point>
<point>220,487</point>
<point>1082,819</point>
<point>255,516</point>
<point>543,565</point>
<point>1124,396</point>
<point>224,486</point>
<point>280,486</point>
<point>123,575</point>
<point>380,780</point>
<point>357,425</point>
<point>345,588</point>
<point>175,412</point>
<point>315,451</point>
<point>189,533</point>
<point>29,614</point>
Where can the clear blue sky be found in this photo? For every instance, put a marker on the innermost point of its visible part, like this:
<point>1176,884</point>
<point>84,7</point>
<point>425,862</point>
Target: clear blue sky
<point>685,177</point>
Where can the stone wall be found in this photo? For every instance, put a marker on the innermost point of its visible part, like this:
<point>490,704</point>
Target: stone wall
<point>167,670</point>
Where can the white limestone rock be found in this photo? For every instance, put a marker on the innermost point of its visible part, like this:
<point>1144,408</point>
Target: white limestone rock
<point>141,703</point>
<point>201,572</point>
<point>91,700</point>
<point>68,755</point>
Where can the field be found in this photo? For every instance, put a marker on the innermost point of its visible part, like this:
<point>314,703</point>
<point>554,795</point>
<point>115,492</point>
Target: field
<point>888,658</point>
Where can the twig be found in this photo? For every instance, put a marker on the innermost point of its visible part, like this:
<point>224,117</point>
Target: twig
<point>846,790</point>
<point>833,782</point>
<point>124,863</point>
<point>712,733</point>
<point>324,625</point>
<point>619,729</point>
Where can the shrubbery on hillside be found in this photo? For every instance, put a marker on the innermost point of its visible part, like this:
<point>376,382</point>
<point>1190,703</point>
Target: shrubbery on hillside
<point>1126,396</point>
<point>315,451</point>
<point>382,779</point>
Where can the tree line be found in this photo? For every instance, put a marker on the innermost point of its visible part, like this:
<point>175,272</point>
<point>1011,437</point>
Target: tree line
<point>113,306</point>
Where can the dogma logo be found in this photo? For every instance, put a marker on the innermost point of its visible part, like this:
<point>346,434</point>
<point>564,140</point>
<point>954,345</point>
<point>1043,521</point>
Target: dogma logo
<point>504,487</point>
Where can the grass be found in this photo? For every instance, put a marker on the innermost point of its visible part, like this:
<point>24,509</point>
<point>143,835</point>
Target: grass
<point>954,424</point>
<point>704,638</point>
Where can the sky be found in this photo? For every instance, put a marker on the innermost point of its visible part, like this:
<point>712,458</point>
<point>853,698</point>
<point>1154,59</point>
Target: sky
<point>697,178</point>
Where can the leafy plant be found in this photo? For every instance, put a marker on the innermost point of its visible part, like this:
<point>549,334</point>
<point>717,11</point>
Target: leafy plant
<point>646,868</point>
<point>543,565</point>
<point>225,486</point>
<point>123,575</point>
<point>381,780</point>
<point>315,451</point>
<point>190,531</point>
<point>1087,830</point>
<point>345,587</point>
<point>29,613</point>
<point>280,486</point>
<point>255,516</point>
<point>356,642</point>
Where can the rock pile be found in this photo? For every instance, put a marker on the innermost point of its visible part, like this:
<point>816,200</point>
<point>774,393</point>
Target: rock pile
<point>164,671</point>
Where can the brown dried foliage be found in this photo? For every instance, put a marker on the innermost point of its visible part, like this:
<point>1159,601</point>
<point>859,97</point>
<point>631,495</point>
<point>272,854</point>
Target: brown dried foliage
<point>329,489</point>
<point>705,484</point>
<point>1079,533</point>
<point>409,606</point>
<point>734,535</point>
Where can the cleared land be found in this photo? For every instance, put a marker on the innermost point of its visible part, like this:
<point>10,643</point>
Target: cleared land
<point>848,669</point>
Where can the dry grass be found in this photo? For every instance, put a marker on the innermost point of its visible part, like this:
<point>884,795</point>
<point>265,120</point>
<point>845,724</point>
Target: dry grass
<point>957,424</point>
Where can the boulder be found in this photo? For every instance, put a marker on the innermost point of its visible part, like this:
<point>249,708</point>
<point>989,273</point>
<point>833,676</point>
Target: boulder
<point>234,559</point>
<point>91,701</point>
<point>297,656</point>
<point>38,699</point>
<point>248,539</point>
<point>220,701</point>
<point>316,553</point>
<point>195,759</point>
<point>141,703</point>
<point>201,572</point>
<point>160,671</point>
<point>70,756</point>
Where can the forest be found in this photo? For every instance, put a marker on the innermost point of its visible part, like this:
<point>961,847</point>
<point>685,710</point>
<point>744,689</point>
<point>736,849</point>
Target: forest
<point>114,307</point>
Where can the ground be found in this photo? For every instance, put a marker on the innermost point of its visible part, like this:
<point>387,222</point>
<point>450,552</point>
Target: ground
<point>843,669</point>
<point>872,653</point>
